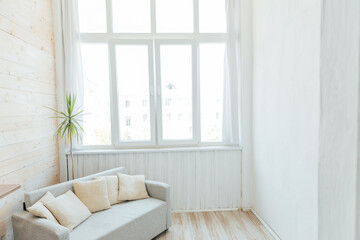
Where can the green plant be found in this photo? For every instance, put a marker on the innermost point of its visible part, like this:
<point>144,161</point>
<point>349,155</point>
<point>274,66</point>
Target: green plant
<point>69,124</point>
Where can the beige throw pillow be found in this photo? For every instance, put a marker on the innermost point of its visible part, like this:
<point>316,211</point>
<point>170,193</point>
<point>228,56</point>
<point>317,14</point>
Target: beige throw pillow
<point>132,187</point>
<point>39,210</point>
<point>68,210</point>
<point>93,194</point>
<point>112,183</point>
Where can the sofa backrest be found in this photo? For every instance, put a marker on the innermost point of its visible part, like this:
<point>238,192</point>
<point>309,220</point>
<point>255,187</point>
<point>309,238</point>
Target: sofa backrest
<point>61,188</point>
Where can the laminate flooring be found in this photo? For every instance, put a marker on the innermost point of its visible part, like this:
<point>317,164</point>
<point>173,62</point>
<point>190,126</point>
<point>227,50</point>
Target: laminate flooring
<point>215,225</point>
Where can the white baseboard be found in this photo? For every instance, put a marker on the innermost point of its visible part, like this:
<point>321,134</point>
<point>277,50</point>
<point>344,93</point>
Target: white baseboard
<point>246,209</point>
<point>268,228</point>
<point>206,210</point>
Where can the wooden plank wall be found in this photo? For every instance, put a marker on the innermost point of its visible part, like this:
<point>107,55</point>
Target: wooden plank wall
<point>28,151</point>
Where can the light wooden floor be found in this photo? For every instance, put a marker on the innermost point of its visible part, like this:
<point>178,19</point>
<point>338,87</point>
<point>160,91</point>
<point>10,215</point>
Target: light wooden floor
<point>216,225</point>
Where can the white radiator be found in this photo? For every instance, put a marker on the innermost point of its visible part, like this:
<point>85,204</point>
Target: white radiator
<point>200,179</point>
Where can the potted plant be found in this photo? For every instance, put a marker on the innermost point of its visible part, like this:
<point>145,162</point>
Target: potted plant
<point>69,125</point>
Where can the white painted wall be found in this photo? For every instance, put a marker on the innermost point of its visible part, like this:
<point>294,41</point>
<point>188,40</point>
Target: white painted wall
<point>246,72</point>
<point>286,115</point>
<point>339,76</point>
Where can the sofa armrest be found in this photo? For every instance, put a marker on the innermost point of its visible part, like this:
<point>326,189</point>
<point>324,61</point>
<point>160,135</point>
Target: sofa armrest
<point>27,226</point>
<point>160,191</point>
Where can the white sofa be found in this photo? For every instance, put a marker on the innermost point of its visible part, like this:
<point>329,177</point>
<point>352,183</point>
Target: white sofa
<point>133,220</point>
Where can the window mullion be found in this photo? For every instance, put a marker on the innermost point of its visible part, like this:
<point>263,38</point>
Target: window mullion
<point>196,17</point>
<point>197,105</point>
<point>115,131</point>
<point>154,98</point>
<point>153,16</point>
<point>152,92</point>
<point>159,130</point>
<point>109,16</point>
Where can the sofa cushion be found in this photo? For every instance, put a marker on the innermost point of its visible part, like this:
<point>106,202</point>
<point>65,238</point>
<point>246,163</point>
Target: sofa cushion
<point>132,187</point>
<point>32,197</point>
<point>68,210</point>
<point>39,210</point>
<point>112,184</point>
<point>93,194</point>
<point>135,220</point>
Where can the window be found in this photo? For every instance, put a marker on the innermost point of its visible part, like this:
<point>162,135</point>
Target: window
<point>211,19</point>
<point>167,101</point>
<point>92,16</point>
<point>176,70</point>
<point>132,80</point>
<point>97,123</point>
<point>153,71</point>
<point>145,103</point>
<point>211,81</point>
<point>127,104</point>
<point>174,16</point>
<point>128,121</point>
<point>131,16</point>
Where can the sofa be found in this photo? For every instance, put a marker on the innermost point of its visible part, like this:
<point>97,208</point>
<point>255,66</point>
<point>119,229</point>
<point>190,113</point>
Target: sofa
<point>133,220</point>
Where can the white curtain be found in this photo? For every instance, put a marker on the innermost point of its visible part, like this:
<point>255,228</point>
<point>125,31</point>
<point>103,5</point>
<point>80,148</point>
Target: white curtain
<point>72,64</point>
<point>231,103</point>
<point>71,53</point>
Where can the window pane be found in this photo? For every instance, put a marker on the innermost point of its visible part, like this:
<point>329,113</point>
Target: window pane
<point>176,91</point>
<point>211,90</point>
<point>97,124</point>
<point>212,16</point>
<point>92,15</point>
<point>132,68</point>
<point>174,16</point>
<point>131,16</point>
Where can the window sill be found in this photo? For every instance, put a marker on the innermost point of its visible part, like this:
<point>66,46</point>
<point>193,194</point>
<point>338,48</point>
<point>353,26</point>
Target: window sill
<point>139,150</point>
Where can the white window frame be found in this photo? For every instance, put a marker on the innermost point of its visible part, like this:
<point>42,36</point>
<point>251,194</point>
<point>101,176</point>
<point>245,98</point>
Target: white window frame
<point>154,40</point>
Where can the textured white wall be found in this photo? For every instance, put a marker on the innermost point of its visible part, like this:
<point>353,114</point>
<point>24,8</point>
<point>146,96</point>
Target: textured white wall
<point>286,115</point>
<point>339,119</point>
